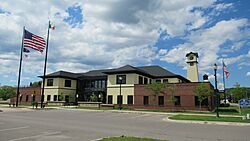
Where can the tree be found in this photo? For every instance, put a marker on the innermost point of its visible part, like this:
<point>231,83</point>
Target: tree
<point>35,84</point>
<point>7,92</point>
<point>202,91</point>
<point>60,97</point>
<point>156,88</point>
<point>93,97</point>
<point>172,90</point>
<point>238,93</point>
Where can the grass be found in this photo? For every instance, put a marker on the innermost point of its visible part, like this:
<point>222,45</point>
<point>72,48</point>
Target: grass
<point>209,118</point>
<point>125,138</point>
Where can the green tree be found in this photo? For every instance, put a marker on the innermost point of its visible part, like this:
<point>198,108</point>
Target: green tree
<point>7,92</point>
<point>172,90</point>
<point>239,93</point>
<point>60,97</point>
<point>156,88</point>
<point>93,97</point>
<point>36,84</point>
<point>202,91</point>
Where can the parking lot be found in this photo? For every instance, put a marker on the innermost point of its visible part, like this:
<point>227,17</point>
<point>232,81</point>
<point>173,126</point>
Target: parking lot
<point>76,125</point>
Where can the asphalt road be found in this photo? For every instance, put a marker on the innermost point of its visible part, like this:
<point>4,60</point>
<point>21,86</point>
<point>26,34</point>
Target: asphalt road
<point>81,125</point>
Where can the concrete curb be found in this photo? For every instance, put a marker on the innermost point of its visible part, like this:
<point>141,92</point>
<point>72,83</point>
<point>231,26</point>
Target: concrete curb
<point>207,122</point>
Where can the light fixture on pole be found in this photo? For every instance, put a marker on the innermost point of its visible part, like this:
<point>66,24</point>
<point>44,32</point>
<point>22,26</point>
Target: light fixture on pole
<point>216,90</point>
<point>120,98</point>
<point>77,99</point>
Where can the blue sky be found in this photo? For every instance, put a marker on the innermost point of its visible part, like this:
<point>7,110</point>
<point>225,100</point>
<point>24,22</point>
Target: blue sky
<point>109,34</point>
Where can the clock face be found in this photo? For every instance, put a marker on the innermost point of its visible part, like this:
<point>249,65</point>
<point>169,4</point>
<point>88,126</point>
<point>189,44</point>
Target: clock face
<point>191,57</point>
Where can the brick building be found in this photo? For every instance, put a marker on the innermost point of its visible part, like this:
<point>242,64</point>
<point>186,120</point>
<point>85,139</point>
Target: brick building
<point>27,95</point>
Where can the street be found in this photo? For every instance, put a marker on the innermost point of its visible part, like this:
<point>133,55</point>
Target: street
<point>76,125</point>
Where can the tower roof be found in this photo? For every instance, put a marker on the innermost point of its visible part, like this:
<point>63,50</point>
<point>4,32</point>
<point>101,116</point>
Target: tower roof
<point>194,53</point>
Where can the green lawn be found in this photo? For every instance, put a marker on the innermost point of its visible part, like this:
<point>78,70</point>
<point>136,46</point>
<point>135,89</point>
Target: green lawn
<point>208,118</point>
<point>124,138</point>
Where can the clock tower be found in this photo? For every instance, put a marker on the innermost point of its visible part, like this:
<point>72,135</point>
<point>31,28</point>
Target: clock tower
<point>192,67</point>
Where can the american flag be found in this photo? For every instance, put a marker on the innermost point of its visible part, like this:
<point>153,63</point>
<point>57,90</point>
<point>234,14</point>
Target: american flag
<point>225,70</point>
<point>33,41</point>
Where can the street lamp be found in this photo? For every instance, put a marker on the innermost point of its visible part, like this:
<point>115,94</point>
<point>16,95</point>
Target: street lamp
<point>77,99</point>
<point>120,98</point>
<point>216,90</point>
<point>99,101</point>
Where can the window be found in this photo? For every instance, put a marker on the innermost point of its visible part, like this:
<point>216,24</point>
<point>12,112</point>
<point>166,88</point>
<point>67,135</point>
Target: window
<point>110,99</point>
<point>119,99</point>
<point>177,101</point>
<point>145,100</point>
<point>191,64</point>
<point>122,81</point>
<point>92,84</point>
<point>49,82</point>
<point>203,103</point>
<point>158,80</point>
<point>130,99</point>
<point>145,80</point>
<point>55,97</point>
<point>140,80</point>
<point>27,98</point>
<point>150,81</point>
<point>100,84</point>
<point>96,84</point>
<point>48,97</point>
<point>103,84</point>
<point>66,98</point>
<point>161,100</point>
<point>165,80</point>
<point>67,83</point>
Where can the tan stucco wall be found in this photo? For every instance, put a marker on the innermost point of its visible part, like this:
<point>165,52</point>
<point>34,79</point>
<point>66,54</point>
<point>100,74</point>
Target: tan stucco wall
<point>125,91</point>
<point>58,88</point>
<point>131,79</point>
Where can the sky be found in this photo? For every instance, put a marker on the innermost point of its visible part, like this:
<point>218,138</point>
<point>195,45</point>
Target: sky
<point>97,34</point>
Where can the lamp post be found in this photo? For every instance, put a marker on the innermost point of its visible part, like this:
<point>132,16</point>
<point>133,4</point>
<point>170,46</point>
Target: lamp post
<point>77,99</point>
<point>99,99</point>
<point>216,90</point>
<point>120,98</point>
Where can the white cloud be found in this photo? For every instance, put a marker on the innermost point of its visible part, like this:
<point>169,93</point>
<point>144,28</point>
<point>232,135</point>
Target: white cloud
<point>207,43</point>
<point>248,74</point>
<point>114,33</point>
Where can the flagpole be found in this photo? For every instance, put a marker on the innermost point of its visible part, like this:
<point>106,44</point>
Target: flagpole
<point>224,84</point>
<point>20,68</point>
<point>45,65</point>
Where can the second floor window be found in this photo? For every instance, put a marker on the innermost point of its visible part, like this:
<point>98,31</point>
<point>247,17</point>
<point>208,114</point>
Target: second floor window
<point>122,80</point>
<point>49,82</point>
<point>67,83</point>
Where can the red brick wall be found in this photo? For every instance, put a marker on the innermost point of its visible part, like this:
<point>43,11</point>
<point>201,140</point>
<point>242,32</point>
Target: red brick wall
<point>27,91</point>
<point>184,90</point>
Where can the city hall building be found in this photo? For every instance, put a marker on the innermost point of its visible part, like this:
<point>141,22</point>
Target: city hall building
<point>128,85</point>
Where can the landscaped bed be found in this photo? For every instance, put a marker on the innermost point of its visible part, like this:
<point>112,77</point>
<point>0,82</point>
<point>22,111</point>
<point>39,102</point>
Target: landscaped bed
<point>209,118</point>
<point>125,138</point>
